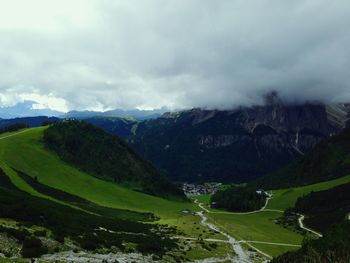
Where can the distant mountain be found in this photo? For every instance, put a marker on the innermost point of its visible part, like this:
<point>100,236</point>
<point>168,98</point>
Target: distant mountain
<point>26,109</point>
<point>28,121</point>
<point>237,145</point>
<point>123,127</point>
<point>137,114</point>
<point>230,145</point>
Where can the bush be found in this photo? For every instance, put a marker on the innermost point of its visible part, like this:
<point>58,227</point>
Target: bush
<point>33,247</point>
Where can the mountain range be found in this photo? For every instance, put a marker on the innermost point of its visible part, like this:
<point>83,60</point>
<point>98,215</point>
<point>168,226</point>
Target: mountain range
<point>28,108</point>
<point>230,145</point>
<point>236,145</point>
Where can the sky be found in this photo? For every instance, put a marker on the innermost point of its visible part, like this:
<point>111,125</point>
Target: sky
<point>106,54</point>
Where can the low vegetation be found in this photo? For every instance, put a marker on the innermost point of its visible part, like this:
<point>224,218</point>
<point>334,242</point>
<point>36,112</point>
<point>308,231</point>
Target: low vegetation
<point>87,230</point>
<point>333,247</point>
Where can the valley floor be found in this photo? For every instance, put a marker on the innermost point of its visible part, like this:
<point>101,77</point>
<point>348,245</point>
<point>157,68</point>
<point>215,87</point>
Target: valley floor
<point>258,229</point>
<point>205,235</point>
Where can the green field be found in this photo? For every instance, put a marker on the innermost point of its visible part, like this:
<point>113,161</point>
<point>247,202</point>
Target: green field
<point>258,227</point>
<point>25,152</point>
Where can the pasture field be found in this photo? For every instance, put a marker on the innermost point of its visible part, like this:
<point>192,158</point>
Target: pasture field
<point>258,227</point>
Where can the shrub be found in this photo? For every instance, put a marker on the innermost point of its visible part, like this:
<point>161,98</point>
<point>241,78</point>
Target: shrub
<point>33,247</point>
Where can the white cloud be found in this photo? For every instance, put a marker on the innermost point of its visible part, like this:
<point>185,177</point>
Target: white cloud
<point>104,54</point>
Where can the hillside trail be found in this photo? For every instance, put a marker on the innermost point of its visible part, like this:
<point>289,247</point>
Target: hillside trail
<point>301,224</point>
<point>13,134</point>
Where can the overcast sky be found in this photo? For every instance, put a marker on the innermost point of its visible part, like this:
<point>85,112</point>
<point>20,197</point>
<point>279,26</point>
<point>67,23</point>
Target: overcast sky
<point>104,54</point>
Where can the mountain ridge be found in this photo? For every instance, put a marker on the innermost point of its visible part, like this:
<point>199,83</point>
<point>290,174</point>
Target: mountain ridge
<point>249,140</point>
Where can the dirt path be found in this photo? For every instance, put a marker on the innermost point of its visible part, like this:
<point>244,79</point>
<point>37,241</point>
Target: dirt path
<point>301,224</point>
<point>269,243</point>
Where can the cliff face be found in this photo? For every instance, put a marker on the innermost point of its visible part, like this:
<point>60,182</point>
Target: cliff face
<point>339,115</point>
<point>236,145</point>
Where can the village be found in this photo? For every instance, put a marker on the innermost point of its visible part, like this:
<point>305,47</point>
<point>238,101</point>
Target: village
<point>200,189</point>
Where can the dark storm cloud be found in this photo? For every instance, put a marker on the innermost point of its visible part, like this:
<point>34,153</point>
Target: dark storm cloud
<point>149,54</point>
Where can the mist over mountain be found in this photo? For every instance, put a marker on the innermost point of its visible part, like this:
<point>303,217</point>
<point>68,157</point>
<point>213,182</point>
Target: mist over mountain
<point>230,145</point>
<point>179,55</point>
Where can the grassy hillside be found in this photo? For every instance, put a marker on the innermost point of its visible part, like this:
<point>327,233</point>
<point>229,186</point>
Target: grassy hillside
<point>325,208</point>
<point>36,161</point>
<point>327,160</point>
<point>107,157</point>
<point>285,198</point>
<point>41,173</point>
<point>29,210</point>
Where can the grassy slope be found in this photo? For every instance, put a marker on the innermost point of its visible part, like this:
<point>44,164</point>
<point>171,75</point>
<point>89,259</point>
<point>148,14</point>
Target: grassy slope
<point>26,153</point>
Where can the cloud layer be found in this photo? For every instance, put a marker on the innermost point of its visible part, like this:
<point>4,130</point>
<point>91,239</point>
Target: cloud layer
<point>103,54</point>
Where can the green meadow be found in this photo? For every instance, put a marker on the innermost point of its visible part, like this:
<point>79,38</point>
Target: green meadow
<point>258,227</point>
